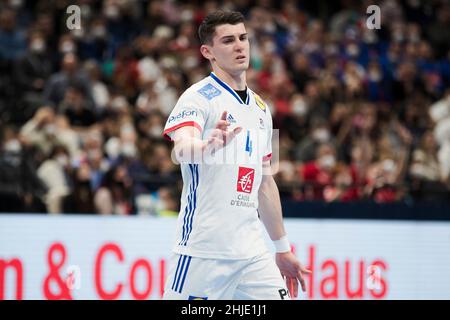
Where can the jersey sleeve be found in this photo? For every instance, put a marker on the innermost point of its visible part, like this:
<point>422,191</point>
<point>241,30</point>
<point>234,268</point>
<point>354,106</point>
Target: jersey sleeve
<point>190,110</point>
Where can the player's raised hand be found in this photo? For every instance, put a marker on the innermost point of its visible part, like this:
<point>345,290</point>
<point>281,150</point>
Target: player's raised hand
<point>221,135</point>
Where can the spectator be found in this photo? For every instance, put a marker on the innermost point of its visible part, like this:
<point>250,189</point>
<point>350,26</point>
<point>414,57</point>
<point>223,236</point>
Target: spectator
<point>69,76</point>
<point>114,194</point>
<point>317,174</point>
<point>54,173</point>
<point>12,39</point>
<point>31,73</point>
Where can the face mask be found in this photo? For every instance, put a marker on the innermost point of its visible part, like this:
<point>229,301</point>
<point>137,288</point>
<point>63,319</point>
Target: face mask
<point>12,146</point>
<point>187,15</point>
<point>129,150</point>
<point>63,160</point>
<point>370,37</point>
<point>93,154</point>
<point>112,147</point>
<point>155,131</point>
<point>190,63</point>
<point>414,38</point>
<point>417,170</point>
<point>398,36</point>
<point>331,49</point>
<point>78,33</point>
<point>99,32</point>
<point>321,135</point>
<point>16,4</point>
<point>37,46</point>
<point>269,27</point>
<point>327,161</point>
<point>352,50</point>
<point>388,165</point>
<point>112,12</point>
<point>67,47</point>
<point>50,129</point>
<point>299,107</point>
<point>374,76</point>
<point>269,47</point>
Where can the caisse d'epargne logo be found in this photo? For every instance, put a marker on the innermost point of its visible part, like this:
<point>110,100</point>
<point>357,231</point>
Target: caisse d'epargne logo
<point>246,177</point>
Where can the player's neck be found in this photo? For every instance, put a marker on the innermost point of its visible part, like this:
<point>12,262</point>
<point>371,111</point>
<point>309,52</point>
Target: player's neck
<point>236,82</point>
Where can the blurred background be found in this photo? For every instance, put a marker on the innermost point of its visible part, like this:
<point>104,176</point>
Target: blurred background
<point>364,115</point>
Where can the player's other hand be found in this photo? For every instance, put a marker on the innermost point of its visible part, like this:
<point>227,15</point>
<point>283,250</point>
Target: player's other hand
<point>221,135</point>
<point>292,271</point>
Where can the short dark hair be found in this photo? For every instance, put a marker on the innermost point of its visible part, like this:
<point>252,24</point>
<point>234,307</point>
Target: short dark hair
<point>217,18</point>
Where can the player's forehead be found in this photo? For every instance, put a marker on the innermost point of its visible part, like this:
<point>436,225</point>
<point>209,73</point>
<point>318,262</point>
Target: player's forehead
<point>226,30</point>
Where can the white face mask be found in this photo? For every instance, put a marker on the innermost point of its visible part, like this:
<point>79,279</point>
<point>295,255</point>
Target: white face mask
<point>417,170</point>
<point>187,15</point>
<point>67,47</point>
<point>370,37</point>
<point>78,33</point>
<point>327,161</point>
<point>112,147</point>
<point>99,32</point>
<point>112,12</point>
<point>37,45</point>
<point>63,160</point>
<point>299,107</point>
<point>389,165</point>
<point>155,131</point>
<point>16,4</point>
<point>270,47</point>
<point>398,35</point>
<point>50,129</point>
<point>321,135</point>
<point>353,50</point>
<point>129,150</point>
<point>374,76</point>
<point>12,146</point>
<point>331,49</point>
<point>190,63</point>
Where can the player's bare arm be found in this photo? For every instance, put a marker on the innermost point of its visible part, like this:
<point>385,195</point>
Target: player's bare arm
<point>189,146</point>
<point>271,215</point>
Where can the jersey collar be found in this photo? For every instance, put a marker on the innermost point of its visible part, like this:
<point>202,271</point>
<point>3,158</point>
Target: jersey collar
<point>230,90</point>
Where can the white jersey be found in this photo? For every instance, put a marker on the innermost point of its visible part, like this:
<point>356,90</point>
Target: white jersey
<point>218,216</point>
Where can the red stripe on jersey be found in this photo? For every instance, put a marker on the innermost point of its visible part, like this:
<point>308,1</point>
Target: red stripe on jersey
<point>268,157</point>
<point>183,124</point>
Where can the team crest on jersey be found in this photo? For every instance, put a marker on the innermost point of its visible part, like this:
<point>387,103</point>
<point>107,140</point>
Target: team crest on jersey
<point>209,91</point>
<point>260,103</point>
<point>245,179</point>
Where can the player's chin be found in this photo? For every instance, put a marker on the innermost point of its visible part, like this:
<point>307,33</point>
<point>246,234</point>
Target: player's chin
<point>241,66</point>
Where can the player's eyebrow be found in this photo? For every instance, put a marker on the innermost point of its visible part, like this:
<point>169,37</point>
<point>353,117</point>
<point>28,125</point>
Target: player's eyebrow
<point>232,37</point>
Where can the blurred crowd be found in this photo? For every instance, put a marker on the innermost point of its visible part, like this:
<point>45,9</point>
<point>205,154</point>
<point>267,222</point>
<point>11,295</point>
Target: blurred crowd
<point>364,115</point>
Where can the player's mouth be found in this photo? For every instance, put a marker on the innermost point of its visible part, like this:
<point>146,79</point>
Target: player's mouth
<point>241,58</point>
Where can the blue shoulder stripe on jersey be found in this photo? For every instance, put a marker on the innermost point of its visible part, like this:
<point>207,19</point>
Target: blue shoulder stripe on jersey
<point>191,215</point>
<point>180,273</point>
<point>189,205</point>
<point>176,273</point>
<point>185,273</point>
<point>230,90</point>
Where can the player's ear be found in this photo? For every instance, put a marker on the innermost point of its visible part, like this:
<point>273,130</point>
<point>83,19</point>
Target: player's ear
<point>205,50</point>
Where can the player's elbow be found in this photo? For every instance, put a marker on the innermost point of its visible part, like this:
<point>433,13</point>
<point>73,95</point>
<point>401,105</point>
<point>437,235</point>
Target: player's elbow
<point>188,150</point>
